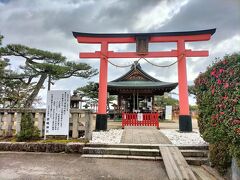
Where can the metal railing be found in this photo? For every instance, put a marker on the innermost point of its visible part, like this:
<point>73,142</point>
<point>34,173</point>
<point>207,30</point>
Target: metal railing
<point>140,119</point>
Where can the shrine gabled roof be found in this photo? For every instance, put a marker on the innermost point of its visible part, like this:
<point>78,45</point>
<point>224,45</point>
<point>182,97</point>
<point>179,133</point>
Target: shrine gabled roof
<point>142,85</point>
<point>136,78</point>
<point>139,74</point>
<point>116,35</point>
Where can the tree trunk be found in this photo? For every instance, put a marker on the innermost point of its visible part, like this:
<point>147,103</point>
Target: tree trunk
<point>35,92</point>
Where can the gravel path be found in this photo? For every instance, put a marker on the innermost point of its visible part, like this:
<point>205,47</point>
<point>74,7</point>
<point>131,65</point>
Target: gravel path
<point>113,136</point>
<point>180,138</point>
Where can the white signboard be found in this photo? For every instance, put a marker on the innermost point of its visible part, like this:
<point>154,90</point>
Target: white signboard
<point>57,113</point>
<point>139,116</point>
<point>168,112</point>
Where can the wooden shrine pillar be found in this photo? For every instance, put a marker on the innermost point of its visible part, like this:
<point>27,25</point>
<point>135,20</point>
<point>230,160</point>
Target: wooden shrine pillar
<point>185,120</point>
<point>101,119</point>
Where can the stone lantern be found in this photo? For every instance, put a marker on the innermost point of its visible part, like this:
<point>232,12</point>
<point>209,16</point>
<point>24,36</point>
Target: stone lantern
<point>76,99</point>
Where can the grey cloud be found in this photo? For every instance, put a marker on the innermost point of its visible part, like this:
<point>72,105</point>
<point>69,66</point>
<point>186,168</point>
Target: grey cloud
<point>48,25</point>
<point>204,14</point>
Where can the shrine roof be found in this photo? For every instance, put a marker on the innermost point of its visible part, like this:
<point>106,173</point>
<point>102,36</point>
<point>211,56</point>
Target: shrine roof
<point>116,35</point>
<point>136,73</point>
<point>136,78</point>
<point>142,84</point>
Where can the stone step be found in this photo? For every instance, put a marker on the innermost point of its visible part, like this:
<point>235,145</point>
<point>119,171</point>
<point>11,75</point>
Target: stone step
<point>121,151</point>
<point>150,158</point>
<point>191,161</point>
<point>146,146</point>
<point>139,152</point>
<point>194,153</point>
<point>198,161</point>
<point>192,147</point>
<point>123,145</point>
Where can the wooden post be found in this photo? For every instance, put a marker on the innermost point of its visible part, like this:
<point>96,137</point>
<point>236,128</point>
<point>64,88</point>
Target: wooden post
<point>134,101</point>
<point>137,102</point>
<point>101,119</point>
<point>185,121</point>
<point>1,124</point>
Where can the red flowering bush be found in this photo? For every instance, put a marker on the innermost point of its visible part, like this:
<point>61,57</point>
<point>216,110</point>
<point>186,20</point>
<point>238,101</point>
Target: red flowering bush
<point>218,98</point>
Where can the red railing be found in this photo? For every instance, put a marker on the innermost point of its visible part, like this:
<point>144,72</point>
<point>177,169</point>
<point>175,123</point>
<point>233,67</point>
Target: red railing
<point>140,119</point>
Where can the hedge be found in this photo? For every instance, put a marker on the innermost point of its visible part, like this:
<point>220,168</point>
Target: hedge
<point>218,98</point>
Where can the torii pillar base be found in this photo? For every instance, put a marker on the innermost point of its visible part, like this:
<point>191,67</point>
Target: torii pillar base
<point>101,122</point>
<point>185,123</point>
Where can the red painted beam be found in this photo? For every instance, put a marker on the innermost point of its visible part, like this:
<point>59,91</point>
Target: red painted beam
<point>190,53</point>
<point>155,39</point>
<point>202,37</point>
<point>173,53</point>
<point>96,54</point>
<point>94,40</point>
<point>112,54</point>
<point>149,55</point>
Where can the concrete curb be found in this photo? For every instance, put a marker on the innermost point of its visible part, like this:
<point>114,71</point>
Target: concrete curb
<point>42,147</point>
<point>78,147</point>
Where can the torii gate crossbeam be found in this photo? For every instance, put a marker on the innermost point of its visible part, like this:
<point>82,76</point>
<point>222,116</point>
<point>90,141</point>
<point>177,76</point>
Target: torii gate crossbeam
<point>142,40</point>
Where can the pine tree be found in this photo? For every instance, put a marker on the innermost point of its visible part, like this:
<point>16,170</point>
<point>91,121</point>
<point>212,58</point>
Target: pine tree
<point>40,65</point>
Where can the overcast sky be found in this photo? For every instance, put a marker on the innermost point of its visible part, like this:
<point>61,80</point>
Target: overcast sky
<point>48,25</point>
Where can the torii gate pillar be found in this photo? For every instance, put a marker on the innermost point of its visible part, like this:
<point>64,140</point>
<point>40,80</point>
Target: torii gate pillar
<point>185,120</point>
<point>101,119</point>
<point>142,40</point>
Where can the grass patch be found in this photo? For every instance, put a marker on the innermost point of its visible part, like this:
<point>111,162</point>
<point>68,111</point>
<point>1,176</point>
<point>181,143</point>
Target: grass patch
<point>8,139</point>
<point>64,141</point>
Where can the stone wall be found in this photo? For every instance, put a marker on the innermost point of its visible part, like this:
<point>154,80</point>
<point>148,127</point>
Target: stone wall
<point>42,147</point>
<point>10,120</point>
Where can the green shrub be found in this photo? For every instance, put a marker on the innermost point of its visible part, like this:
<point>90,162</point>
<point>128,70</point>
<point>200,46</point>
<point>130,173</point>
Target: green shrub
<point>235,151</point>
<point>218,97</point>
<point>219,156</point>
<point>28,131</point>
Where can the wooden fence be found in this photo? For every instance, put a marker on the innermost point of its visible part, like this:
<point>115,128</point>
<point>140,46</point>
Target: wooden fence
<point>10,120</point>
<point>140,119</point>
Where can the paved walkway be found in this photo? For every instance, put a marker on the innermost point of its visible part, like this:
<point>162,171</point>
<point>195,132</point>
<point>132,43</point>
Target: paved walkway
<point>143,135</point>
<point>36,166</point>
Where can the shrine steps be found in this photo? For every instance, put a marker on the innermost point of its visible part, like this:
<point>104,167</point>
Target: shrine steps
<point>151,158</point>
<point>193,155</point>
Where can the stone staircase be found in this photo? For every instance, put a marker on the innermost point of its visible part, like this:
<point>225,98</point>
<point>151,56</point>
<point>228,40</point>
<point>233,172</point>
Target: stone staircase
<point>194,155</point>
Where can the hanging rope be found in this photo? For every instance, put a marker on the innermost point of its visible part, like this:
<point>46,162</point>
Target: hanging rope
<point>129,65</point>
<point>119,66</point>
<point>162,66</point>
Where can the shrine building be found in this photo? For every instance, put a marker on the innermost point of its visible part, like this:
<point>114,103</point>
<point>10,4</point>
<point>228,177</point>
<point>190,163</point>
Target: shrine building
<point>136,90</point>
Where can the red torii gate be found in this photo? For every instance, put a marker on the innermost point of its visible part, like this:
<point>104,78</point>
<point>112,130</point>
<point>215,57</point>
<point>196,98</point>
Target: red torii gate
<point>142,40</point>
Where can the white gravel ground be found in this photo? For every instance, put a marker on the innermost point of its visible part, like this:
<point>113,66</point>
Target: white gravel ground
<point>180,138</point>
<point>113,136</point>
